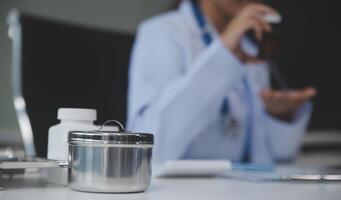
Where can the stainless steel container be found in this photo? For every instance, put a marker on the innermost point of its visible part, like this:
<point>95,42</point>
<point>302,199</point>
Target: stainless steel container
<point>110,161</point>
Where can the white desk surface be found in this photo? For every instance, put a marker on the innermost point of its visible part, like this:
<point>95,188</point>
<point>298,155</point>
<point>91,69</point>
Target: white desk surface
<point>33,187</point>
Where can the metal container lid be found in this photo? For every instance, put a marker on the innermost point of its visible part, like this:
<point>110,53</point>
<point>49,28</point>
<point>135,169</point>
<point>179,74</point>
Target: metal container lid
<point>111,137</point>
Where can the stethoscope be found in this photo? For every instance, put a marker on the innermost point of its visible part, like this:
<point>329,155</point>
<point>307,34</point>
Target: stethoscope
<point>232,126</point>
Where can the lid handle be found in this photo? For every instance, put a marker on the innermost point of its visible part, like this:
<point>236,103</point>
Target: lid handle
<point>121,127</point>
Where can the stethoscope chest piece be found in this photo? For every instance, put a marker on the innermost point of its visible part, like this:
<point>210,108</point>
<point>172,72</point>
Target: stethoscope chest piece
<point>232,127</point>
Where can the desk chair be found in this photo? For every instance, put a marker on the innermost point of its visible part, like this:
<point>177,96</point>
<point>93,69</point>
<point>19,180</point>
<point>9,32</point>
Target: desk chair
<point>57,64</point>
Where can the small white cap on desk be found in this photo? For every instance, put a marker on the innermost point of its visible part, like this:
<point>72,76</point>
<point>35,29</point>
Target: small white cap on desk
<point>273,18</point>
<point>77,114</point>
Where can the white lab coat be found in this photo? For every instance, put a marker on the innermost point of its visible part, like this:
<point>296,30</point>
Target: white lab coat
<point>177,86</point>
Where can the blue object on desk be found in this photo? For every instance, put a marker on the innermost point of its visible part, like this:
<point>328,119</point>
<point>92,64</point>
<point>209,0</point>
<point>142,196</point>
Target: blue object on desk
<point>252,167</point>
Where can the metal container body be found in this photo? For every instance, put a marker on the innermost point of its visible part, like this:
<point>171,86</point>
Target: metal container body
<point>110,168</point>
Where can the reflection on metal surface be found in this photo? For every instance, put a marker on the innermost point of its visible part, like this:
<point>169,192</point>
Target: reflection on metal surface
<point>110,161</point>
<point>110,169</point>
<point>19,102</point>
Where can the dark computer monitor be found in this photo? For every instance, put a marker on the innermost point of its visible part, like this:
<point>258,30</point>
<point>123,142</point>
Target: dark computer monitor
<point>58,64</point>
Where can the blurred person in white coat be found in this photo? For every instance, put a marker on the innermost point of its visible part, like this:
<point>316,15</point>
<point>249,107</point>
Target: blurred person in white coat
<point>196,84</point>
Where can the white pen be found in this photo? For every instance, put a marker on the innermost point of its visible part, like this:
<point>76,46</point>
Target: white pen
<point>273,18</point>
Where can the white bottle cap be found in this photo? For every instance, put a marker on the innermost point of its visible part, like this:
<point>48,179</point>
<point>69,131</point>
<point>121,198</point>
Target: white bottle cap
<point>273,18</point>
<point>77,114</point>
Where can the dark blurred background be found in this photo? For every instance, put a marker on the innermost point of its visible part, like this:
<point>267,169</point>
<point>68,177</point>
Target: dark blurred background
<point>108,15</point>
<point>310,40</point>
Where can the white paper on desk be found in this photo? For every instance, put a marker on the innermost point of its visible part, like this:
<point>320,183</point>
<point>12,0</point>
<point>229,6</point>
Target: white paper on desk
<point>180,168</point>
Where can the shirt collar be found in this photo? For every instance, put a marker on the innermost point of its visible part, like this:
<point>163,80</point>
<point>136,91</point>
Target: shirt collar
<point>186,10</point>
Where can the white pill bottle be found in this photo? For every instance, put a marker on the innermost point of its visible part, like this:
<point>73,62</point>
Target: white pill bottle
<point>71,119</point>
